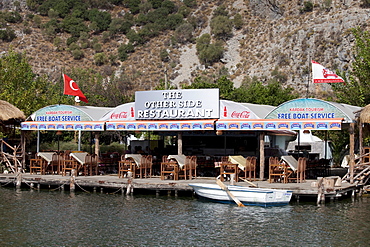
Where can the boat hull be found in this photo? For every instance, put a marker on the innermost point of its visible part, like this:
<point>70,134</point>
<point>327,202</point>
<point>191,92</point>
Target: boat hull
<point>247,195</point>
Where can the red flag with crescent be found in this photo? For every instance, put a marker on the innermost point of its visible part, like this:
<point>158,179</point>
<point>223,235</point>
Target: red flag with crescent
<point>71,88</point>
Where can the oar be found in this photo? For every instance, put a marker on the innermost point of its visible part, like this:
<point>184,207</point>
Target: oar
<point>224,187</point>
<point>245,180</point>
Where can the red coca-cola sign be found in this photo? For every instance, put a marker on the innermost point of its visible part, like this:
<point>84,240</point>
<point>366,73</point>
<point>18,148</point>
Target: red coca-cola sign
<point>119,115</point>
<point>243,114</point>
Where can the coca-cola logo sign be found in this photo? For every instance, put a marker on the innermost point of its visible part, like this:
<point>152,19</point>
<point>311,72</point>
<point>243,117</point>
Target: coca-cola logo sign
<point>243,114</point>
<point>119,115</point>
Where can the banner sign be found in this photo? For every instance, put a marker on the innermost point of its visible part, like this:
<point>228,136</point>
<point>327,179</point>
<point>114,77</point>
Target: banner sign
<point>177,104</point>
<point>160,126</point>
<point>275,124</point>
<point>67,126</point>
<point>60,113</point>
<point>305,110</point>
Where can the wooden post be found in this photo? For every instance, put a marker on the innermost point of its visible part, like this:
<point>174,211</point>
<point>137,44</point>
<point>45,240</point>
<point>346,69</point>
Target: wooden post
<point>320,191</point>
<point>72,180</point>
<point>23,145</point>
<point>360,140</point>
<point>18,182</point>
<point>130,189</point>
<point>351,151</point>
<point>262,155</point>
<point>97,148</point>
<point>179,143</point>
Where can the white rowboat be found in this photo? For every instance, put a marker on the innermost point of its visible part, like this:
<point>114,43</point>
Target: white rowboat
<point>246,195</point>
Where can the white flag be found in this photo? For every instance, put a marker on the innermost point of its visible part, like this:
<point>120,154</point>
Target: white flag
<point>320,74</point>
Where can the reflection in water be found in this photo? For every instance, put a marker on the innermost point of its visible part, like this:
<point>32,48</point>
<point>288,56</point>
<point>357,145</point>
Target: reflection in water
<point>32,218</point>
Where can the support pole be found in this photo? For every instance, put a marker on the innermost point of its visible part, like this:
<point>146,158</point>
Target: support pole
<point>262,155</point>
<point>351,151</point>
<point>179,143</point>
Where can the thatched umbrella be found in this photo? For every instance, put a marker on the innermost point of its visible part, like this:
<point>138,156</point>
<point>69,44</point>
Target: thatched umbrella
<point>9,112</point>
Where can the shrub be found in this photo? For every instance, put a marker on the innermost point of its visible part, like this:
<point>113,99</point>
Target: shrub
<point>7,35</point>
<point>307,7</point>
<point>184,33</point>
<point>77,54</point>
<point>97,47</point>
<point>365,3</point>
<point>71,40</point>
<point>238,21</point>
<point>100,59</point>
<point>13,17</point>
<point>190,3</point>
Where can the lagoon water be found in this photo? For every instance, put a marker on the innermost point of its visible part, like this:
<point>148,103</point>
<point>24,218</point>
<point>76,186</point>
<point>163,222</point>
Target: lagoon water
<point>54,218</point>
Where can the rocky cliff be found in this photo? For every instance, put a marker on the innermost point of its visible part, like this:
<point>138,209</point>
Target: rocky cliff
<point>276,36</point>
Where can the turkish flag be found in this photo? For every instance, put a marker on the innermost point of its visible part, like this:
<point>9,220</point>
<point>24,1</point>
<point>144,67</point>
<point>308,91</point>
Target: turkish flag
<point>71,88</point>
<point>320,74</point>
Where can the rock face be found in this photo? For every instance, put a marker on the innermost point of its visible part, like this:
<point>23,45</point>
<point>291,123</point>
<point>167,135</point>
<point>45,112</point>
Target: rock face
<point>276,36</point>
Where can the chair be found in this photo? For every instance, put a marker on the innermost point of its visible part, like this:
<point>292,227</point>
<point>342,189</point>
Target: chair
<point>300,174</point>
<point>277,171</point>
<point>169,168</point>
<point>250,168</point>
<point>227,168</point>
<point>190,168</point>
<point>69,165</point>
<point>55,165</point>
<point>125,166</point>
<point>37,165</point>
<point>146,164</point>
<point>90,166</point>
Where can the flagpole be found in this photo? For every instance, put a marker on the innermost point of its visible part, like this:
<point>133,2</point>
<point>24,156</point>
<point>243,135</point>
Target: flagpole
<point>62,87</point>
<point>308,77</point>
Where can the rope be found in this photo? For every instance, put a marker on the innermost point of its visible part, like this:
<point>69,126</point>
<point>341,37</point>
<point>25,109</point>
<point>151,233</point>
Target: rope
<point>3,185</point>
<point>120,189</point>
<point>58,187</point>
<point>82,188</point>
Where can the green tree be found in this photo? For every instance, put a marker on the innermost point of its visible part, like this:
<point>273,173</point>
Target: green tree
<point>254,91</point>
<point>208,53</point>
<point>221,27</point>
<point>21,87</point>
<point>102,19</point>
<point>225,86</point>
<point>356,90</point>
<point>221,11</point>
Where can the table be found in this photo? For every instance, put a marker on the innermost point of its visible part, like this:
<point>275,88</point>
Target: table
<point>80,157</point>
<point>48,158</point>
<point>135,157</point>
<point>238,159</point>
<point>291,161</point>
<point>180,158</point>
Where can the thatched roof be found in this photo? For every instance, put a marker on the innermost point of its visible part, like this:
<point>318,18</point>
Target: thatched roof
<point>9,111</point>
<point>365,114</point>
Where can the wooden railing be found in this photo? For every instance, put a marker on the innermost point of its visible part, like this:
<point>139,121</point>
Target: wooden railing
<point>10,160</point>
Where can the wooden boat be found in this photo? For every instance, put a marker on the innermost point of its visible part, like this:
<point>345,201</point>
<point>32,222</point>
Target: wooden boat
<point>246,195</point>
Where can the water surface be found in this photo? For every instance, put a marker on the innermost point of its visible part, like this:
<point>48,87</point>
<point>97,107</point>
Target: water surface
<point>53,218</point>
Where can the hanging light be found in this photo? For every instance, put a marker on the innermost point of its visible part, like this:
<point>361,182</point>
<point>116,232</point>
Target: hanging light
<point>59,133</point>
<point>219,132</point>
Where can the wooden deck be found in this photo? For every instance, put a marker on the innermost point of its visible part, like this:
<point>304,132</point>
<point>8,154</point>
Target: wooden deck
<point>105,183</point>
